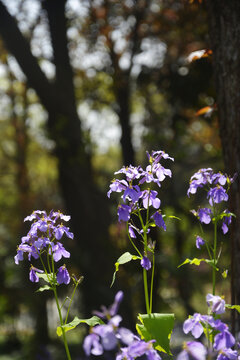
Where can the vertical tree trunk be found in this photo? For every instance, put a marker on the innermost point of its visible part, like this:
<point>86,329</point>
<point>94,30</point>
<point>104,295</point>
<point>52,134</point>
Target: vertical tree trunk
<point>224,31</point>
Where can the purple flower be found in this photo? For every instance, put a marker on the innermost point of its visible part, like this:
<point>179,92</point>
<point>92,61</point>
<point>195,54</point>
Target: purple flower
<point>217,195</point>
<point>223,340</point>
<point>199,179</point>
<point>204,215</point>
<point>193,325</point>
<point>124,212</point>
<point>218,304</point>
<point>130,172</point>
<point>59,252</point>
<point>132,193</point>
<point>146,263</point>
<point>149,198</point>
<point>156,156</point>
<point>226,221</point>
<point>107,336</point>
<point>199,242</point>
<point>117,186</point>
<point>92,345</point>
<point>132,232</point>
<point>193,350</point>
<point>139,348</point>
<point>219,178</point>
<point>61,230</point>
<point>228,354</point>
<point>32,274</point>
<point>157,216</point>
<point>63,276</point>
<point>113,309</point>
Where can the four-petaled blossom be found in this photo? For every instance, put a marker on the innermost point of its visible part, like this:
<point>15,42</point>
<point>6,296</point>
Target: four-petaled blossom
<point>228,354</point>
<point>149,198</point>
<point>193,350</point>
<point>193,325</point>
<point>204,215</point>
<point>217,303</point>
<point>216,195</point>
<point>224,339</point>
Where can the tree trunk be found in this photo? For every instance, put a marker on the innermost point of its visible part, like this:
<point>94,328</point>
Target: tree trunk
<point>224,30</point>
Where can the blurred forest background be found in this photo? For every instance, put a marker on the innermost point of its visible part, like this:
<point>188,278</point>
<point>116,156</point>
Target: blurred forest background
<point>85,87</point>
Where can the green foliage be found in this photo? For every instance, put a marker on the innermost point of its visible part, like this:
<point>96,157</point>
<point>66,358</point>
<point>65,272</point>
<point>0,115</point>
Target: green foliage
<point>124,258</point>
<point>94,320</point>
<point>197,262</point>
<point>158,327</point>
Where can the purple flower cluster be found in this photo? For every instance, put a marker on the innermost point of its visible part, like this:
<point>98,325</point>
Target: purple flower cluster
<point>136,199</point>
<point>223,339</point>
<point>133,197</point>
<point>217,186</point>
<point>112,337</point>
<point>44,237</point>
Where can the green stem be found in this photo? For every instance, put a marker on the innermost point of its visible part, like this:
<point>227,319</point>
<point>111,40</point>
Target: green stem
<point>70,302</point>
<point>151,292</point>
<point>61,322</point>
<point>214,259</point>
<point>146,290</point>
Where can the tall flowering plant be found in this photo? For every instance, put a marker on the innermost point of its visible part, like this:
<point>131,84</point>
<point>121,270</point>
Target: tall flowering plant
<point>219,340</point>
<point>216,186</point>
<point>140,209</point>
<point>44,243</point>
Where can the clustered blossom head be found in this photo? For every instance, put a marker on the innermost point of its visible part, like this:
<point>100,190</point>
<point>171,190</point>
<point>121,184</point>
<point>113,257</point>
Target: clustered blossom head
<point>44,236</point>
<point>112,337</point>
<point>223,339</point>
<point>132,195</point>
<point>136,199</point>
<point>217,186</point>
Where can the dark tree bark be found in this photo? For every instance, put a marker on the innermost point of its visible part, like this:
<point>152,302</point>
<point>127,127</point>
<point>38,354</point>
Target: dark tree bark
<point>83,201</point>
<point>224,31</point>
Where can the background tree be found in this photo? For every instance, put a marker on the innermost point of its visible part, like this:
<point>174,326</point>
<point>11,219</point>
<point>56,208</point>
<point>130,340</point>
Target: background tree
<point>224,32</point>
<point>82,199</point>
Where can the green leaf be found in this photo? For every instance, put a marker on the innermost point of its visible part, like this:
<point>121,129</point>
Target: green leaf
<point>235,307</point>
<point>197,262</point>
<point>48,278</point>
<point>94,320</point>
<point>44,288</point>
<point>124,258</point>
<point>173,217</point>
<point>157,327</point>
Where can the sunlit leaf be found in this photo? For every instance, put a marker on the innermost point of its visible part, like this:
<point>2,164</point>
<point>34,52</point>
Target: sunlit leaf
<point>44,288</point>
<point>156,327</point>
<point>124,258</point>
<point>197,262</point>
<point>94,320</point>
<point>235,307</point>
